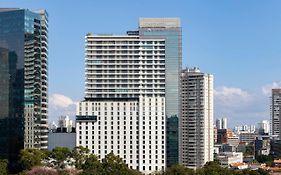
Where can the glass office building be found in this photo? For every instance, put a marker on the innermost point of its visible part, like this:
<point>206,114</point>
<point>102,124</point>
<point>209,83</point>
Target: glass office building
<point>170,30</point>
<point>23,81</point>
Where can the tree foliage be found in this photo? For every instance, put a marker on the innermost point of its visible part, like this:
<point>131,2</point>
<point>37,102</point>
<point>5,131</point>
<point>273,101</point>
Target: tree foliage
<point>31,157</point>
<point>62,161</point>
<point>178,170</point>
<point>60,156</point>
<point>80,154</point>
<point>3,166</point>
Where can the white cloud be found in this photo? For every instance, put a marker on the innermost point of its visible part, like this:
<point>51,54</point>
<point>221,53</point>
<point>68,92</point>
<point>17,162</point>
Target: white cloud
<point>230,96</point>
<point>60,101</point>
<point>240,106</point>
<point>61,105</point>
<point>266,89</point>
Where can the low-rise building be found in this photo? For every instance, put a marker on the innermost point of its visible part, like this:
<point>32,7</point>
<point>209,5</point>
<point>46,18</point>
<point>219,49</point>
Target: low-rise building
<point>247,137</point>
<point>63,134</point>
<point>228,158</point>
<point>262,145</point>
<point>239,166</point>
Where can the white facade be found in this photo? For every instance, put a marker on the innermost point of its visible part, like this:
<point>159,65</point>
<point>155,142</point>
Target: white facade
<point>197,119</point>
<point>218,123</point>
<point>221,123</point>
<point>124,107</point>
<point>264,125</point>
<point>65,122</point>
<point>227,158</point>
<point>224,123</point>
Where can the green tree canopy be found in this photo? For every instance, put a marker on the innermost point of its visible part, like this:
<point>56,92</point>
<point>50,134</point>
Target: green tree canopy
<point>59,156</point>
<point>31,157</point>
<point>3,166</point>
<point>179,170</point>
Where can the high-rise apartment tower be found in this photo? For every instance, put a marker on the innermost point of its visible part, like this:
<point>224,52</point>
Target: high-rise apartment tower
<point>275,112</point>
<point>197,132</point>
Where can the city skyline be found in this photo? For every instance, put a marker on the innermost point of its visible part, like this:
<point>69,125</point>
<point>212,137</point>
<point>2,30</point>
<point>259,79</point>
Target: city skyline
<point>237,41</point>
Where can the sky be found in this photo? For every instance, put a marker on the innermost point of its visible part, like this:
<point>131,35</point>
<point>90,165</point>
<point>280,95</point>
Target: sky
<point>238,41</point>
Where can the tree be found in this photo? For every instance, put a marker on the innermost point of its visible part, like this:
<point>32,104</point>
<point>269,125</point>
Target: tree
<point>80,154</point>
<point>59,157</point>
<point>92,166</point>
<point>265,159</point>
<point>179,170</point>
<point>3,166</point>
<point>31,157</point>
<point>112,164</point>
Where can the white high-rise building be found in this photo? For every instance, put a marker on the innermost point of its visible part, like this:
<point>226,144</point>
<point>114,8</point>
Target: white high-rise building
<point>221,123</point>
<point>218,123</point>
<point>264,126</point>
<point>197,119</point>
<point>125,100</point>
<point>224,123</point>
<point>65,122</point>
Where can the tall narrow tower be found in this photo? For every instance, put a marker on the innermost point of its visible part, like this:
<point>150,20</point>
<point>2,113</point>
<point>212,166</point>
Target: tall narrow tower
<point>170,30</point>
<point>197,118</point>
<point>275,112</point>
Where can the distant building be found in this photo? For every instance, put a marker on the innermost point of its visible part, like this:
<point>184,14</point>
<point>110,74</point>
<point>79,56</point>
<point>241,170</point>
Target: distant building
<point>245,128</point>
<point>65,122</point>
<point>228,158</point>
<point>223,135</point>
<point>197,140</point>
<point>276,112</point>
<point>263,127</point>
<point>221,123</point>
<point>233,140</point>
<point>224,123</point>
<point>262,145</point>
<point>61,139</point>
<point>247,137</point>
<point>63,134</point>
<point>218,123</point>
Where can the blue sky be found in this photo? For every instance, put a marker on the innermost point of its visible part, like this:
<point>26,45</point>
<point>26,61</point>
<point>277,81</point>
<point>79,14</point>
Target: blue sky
<point>238,41</point>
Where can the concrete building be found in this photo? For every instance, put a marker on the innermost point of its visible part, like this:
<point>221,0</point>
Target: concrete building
<point>247,137</point>
<point>262,145</point>
<point>24,81</point>
<point>132,84</point>
<point>228,158</point>
<point>224,123</point>
<point>263,127</point>
<point>223,135</point>
<point>197,139</point>
<point>234,140</point>
<point>218,123</point>
<point>65,122</point>
<point>245,128</point>
<point>221,123</point>
<point>275,112</point>
<point>63,134</point>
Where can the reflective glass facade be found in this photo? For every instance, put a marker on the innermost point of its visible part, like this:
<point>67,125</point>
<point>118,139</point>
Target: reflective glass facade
<point>170,30</point>
<point>23,81</point>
